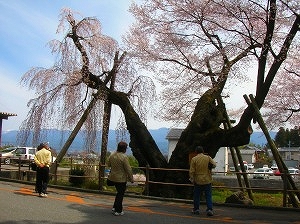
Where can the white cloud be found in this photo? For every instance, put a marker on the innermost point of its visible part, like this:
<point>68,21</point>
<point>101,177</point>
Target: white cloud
<point>13,99</point>
<point>26,27</point>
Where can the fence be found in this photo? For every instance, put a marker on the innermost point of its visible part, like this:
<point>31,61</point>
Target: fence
<point>21,170</point>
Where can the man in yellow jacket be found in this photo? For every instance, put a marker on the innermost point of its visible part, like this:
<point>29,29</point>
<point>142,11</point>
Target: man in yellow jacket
<point>200,176</point>
<point>42,159</point>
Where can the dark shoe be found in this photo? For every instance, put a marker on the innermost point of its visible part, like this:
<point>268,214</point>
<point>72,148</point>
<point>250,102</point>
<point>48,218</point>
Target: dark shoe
<point>209,213</point>
<point>196,212</point>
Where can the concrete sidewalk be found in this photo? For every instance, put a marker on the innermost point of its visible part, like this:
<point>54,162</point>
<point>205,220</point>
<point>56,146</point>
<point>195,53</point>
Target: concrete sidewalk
<point>20,204</point>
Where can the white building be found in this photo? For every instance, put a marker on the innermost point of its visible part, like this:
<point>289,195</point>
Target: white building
<point>221,157</point>
<point>248,154</point>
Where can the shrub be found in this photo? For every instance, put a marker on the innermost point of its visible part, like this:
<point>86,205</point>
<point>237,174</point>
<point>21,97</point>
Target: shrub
<point>77,178</point>
<point>91,184</point>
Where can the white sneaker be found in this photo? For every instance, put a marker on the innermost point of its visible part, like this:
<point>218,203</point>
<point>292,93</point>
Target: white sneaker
<point>118,213</point>
<point>43,195</point>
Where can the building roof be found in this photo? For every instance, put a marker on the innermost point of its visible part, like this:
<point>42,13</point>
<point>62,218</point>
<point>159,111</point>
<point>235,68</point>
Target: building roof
<point>289,149</point>
<point>5,115</point>
<point>174,133</point>
<point>246,151</point>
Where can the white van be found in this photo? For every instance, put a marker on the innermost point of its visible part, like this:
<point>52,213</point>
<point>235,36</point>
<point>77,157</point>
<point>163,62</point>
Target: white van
<point>24,154</point>
<point>6,154</point>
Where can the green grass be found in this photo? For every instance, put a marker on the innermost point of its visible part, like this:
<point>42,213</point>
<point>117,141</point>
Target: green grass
<point>268,199</point>
<point>220,196</point>
<point>260,199</point>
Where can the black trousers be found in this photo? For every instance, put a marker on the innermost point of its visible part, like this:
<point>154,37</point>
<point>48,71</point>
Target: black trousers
<point>42,179</point>
<point>118,204</point>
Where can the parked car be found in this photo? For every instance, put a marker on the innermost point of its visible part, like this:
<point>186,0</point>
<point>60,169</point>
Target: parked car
<point>294,172</point>
<point>6,154</point>
<point>250,166</point>
<point>24,154</point>
<point>270,171</point>
<point>277,172</point>
<point>232,168</point>
<point>274,167</point>
<point>262,173</point>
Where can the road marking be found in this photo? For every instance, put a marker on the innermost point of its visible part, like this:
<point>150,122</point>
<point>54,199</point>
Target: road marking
<point>75,199</point>
<point>25,191</point>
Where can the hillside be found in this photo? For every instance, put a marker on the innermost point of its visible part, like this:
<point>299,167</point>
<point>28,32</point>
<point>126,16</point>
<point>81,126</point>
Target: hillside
<point>56,138</point>
<point>258,138</point>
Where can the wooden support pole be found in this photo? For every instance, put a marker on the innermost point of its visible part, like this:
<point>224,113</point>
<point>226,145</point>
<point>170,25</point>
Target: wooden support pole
<point>237,158</point>
<point>290,185</point>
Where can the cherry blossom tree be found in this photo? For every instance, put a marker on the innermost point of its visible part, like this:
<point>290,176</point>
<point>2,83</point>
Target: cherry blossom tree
<point>198,49</point>
<point>195,49</point>
<point>283,102</point>
<point>90,68</point>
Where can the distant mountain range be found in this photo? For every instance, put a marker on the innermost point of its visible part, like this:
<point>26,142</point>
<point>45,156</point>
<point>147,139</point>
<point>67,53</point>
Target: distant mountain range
<point>258,138</point>
<point>57,138</point>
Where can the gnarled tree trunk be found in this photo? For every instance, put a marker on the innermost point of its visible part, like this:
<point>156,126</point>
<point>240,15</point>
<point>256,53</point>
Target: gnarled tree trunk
<point>203,129</point>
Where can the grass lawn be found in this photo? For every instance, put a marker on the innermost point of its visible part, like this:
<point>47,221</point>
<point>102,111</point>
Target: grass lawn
<point>260,199</point>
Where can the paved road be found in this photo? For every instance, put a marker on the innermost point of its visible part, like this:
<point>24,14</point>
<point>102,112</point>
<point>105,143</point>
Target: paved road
<point>20,204</point>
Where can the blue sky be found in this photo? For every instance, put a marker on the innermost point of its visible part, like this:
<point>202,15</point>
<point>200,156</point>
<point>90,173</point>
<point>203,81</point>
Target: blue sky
<point>26,28</point>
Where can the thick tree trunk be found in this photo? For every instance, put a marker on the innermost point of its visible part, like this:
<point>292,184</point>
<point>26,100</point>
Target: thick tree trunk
<point>203,129</point>
<point>142,144</point>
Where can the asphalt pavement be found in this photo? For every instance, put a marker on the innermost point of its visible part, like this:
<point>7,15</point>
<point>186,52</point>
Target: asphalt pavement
<point>20,204</point>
